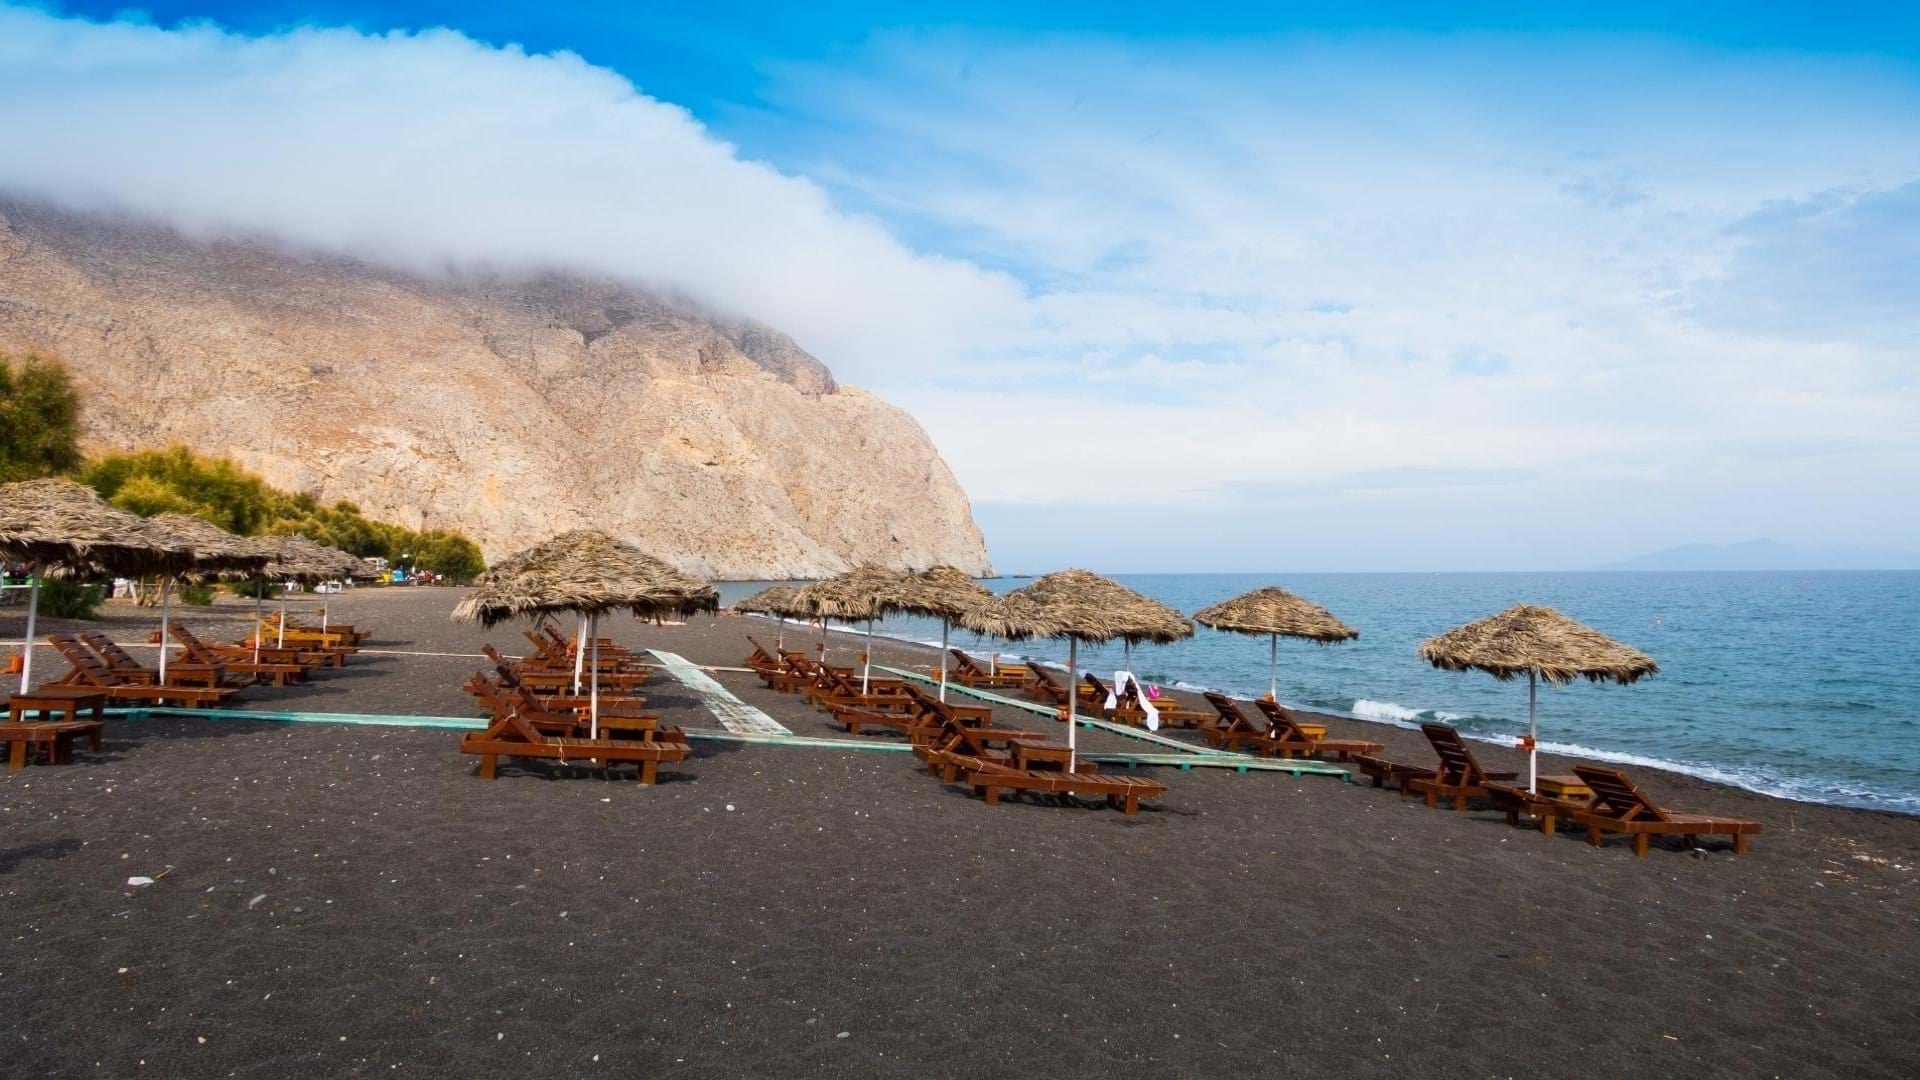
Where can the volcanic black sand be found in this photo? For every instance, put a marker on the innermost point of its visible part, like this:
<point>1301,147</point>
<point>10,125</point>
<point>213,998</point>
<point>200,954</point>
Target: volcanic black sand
<point>352,900</point>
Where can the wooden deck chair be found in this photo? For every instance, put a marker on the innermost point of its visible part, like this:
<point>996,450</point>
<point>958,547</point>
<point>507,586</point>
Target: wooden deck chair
<point>1393,774</point>
<point>1620,806</point>
<point>540,685</point>
<point>970,672</point>
<point>1459,776</point>
<point>881,694</point>
<point>566,719</point>
<point>53,738</point>
<point>1287,738</point>
<point>515,736</point>
<point>1234,729</point>
<point>1518,802</point>
<point>234,658</point>
<point>90,671</point>
<point>1171,711</point>
<point>1044,688</point>
<point>353,636</point>
<point>989,778</point>
<point>311,639</point>
<point>122,663</point>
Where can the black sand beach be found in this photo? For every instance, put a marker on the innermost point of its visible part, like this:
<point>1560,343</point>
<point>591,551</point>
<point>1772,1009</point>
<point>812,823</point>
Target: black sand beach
<point>352,900</point>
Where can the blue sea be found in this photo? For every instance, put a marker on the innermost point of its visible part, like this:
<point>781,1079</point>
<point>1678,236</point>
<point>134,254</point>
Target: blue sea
<point>1799,684</point>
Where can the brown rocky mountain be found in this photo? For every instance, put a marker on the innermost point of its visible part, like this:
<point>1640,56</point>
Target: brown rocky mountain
<point>509,409</point>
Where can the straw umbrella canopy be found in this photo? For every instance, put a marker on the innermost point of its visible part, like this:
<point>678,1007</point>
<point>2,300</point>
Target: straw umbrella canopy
<point>588,573</point>
<point>59,522</point>
<point>864,593</point>
<point>1079,605</point>
<point>1276,613</point>
<point>1540,643</point>
<point>780,601</point>
<point>943,593</point>
<point>216,552</point>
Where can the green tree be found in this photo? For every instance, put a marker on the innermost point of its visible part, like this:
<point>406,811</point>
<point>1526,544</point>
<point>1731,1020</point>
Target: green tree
<point>39,418</point>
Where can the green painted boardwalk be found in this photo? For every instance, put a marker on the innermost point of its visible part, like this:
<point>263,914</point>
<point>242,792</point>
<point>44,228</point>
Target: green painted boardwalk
<point>735,715</point>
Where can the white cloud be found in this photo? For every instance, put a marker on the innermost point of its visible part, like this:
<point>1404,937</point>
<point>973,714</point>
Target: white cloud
<point>1260,265</point>
<point>432,150</point>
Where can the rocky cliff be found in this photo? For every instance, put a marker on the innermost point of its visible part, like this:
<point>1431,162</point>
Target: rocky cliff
<point>508,408</point>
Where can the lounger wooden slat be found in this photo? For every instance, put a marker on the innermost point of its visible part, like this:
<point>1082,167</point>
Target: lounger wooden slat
<point>513,736</point>
<point>968,671</point>
<point>238,661</point>
<point>1287,738</point>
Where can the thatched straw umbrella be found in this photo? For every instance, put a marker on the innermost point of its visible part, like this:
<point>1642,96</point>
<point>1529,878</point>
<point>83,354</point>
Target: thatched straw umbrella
<point>864,593</point>
<point>215,552</point>
<point>588,573</point>
<point>943,593</point>
<point>1276,613</point>
<point>60,523</point>
<point>1079,605</point>
<point>1543,644</point>
<point>780,601</point>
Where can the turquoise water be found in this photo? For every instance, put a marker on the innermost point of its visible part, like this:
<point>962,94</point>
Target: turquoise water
<point>1805,685</point>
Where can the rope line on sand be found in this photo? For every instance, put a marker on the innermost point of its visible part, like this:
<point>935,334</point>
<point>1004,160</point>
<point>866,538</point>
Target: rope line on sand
<point>735,715</point>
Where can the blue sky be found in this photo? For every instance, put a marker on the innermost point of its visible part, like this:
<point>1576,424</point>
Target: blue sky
<point>1398,288</point>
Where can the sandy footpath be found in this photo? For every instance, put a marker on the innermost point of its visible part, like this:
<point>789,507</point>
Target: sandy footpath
<point>350,900</point>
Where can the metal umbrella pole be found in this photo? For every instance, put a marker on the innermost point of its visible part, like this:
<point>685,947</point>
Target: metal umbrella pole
<point>579,653</point>
<point>1273,668</point>
<point>259,587</point>
<point>166,600</point>
<point>945,627</point>
<point>33,609</point>
<point>866,671</point>
<point>594,706</point>
<point>1073,699</point>
<point>1533,732</point>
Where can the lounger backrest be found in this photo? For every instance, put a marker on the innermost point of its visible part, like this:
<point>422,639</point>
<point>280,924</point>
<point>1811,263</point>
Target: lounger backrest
<point>115,657</point>
<point>1041,676</point>
<point>1099,687</point>
<point>85,664</point>
<point>1285,726</point>
<point>1617,797</point>
<point>191,642</point>
<point>1457,764</point>
<point>523,727</point>
<point>1229,711</point>
<point>966,662</point>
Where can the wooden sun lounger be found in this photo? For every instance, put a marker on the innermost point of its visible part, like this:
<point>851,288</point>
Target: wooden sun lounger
<point>621,718</point>
<point>311,639</point>
<point>1620,806</point>
<point>1459,777</point>
<point>541,686</point>
<point>236,659</point>
<point>990,778</point>
<point>353,637</point>
<point>88,670</point>
<point>1518,802</point>
<point>1391,773</point>
<point>914,712</point>
<point>121,663</point>
<point>514,736</point>
<point>881,695</point>
<point>1045,689</point>
<point>1234,729</point>
<point>968,671</point>
<point>1287,738</point>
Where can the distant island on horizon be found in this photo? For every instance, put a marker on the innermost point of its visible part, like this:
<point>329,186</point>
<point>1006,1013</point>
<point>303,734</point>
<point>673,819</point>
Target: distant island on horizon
<point>1767,555</point>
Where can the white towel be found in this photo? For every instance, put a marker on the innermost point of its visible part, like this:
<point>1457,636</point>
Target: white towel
<point>1120,681</point>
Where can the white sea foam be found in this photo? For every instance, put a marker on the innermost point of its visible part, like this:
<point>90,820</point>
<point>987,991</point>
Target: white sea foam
<point>1385,712</point>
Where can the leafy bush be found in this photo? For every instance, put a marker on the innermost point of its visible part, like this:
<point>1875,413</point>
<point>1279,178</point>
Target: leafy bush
<point>67,598</point>
<point>196,595</point>
<point>39,419</point>
<point>178,480</point>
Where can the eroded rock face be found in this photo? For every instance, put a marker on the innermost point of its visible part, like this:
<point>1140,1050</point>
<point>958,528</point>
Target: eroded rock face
<point>509,409</point>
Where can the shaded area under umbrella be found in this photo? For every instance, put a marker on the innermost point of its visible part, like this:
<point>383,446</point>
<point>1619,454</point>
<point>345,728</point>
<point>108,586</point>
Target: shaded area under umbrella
<point>1540,643</point>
